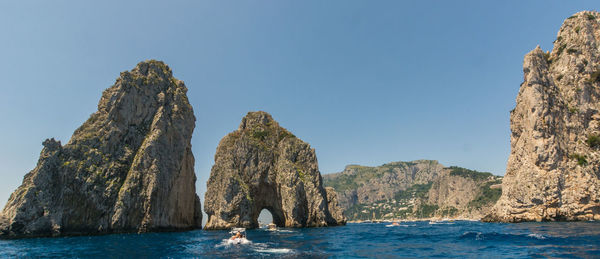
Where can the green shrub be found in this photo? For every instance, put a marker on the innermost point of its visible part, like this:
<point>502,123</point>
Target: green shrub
<point>571,51</point>
<point>415,191</point>
<point>547,56</point>
<point>593,141</point>
<point>342,182</point>
<point>302,175</point>
<point>285,134</point>
<point>466,173</point>
<point>449,211</point>
<point>577,29</point>
<point>426,210</point>
<point>260,134</point>
<point>486,196</point>
<point>573,110</point>
<point>571,17</point>
<point>591,17</point>
<point>595,76</point>
<point>560,49</point>
<point>581,159</point>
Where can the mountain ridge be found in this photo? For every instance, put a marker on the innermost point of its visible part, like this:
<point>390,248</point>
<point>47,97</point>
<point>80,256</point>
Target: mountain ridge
<point>412,190</point>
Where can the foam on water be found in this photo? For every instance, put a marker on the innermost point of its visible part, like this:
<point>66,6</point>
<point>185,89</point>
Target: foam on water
<point>228,242</point>
<point>286,231</point>
<point>274,250</point>
<point>401,225</point>
<point>538,236</point>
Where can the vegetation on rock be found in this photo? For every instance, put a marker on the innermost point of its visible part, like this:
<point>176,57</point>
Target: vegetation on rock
<point>404,190</point>
<point>273,170</point>
<point>552,172</point>
<point>128,168</point>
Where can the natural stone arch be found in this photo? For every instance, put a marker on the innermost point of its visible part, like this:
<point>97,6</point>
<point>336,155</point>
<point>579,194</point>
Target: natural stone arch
<point>262,165</point>
<point>265,197</point>
<point>276,216</point>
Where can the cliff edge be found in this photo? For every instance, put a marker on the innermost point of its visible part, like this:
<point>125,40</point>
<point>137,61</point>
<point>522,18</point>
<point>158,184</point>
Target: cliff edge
<point>128,168</point>
<point>553,171</point>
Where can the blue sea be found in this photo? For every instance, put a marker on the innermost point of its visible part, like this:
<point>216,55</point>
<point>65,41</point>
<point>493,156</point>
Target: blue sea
<point>410,239</point>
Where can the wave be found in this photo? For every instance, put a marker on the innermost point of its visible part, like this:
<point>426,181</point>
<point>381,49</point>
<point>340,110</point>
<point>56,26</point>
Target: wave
<point>264,248</point>
<point>274,250</point>
<point>285,231</point>
<point>440,223</point>
<point>391,225</point>
<point>494,236</point>
<point>228,242</point>
<point>538,236</point>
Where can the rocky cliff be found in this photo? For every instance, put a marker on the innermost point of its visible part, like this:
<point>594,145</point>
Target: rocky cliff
<point>364,184</point>
<point>128,168</point>
<point>413,190</point>
<point>554,165</point>
<point>263,166</point>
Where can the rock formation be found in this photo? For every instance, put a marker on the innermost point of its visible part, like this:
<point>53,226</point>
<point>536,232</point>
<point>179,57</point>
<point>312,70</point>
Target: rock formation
<point>128,168</point>
<point>364,184</point>
<point>263,166</point>
<point>554,166</point>
<point>334,208</point>
<point>413,190</point>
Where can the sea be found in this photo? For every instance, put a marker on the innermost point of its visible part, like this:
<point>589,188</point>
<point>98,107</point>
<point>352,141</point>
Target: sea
<point>465,239</point>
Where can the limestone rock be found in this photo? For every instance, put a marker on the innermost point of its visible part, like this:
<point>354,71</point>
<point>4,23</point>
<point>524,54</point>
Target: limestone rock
<point>413,190</point>
<point>371,184</point>
<point>463,196</point>
<point>128,168</point>
<point>554,165</point>
<point>332,201</point>
<point>263,166</point>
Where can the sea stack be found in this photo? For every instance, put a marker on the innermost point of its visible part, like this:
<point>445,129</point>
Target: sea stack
<point>553,171</point>
<point>263,166</point>
<point>128,168</point>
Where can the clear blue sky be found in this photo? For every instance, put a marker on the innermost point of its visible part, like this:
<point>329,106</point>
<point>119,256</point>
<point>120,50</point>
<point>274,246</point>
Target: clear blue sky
<point>364,82</point>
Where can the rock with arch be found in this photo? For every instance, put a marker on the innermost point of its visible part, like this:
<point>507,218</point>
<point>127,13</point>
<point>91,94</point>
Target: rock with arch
<point>263,166</point>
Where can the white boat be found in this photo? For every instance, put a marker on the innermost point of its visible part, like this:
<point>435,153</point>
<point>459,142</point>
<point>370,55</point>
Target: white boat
<point>394,224</point>
<point>240,240</point>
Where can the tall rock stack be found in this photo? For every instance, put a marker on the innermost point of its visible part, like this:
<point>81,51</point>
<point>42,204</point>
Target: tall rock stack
<point>128,168</point>
<point>553,171</point>
<point>263,166</point>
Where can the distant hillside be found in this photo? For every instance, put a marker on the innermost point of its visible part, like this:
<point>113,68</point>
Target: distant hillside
<point>413,190</point>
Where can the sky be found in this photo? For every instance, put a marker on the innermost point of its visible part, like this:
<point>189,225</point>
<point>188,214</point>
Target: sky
<point>364,82</point>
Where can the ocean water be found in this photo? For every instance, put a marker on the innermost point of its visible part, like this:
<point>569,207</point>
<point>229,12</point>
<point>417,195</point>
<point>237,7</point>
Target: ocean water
<point>411,239</point>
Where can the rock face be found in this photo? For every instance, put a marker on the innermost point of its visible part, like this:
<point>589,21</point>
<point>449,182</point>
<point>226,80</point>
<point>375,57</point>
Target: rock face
<point>364,184</point>
<point>554,165</point>
<point>128,168</point>
<point>414,190</point>
<point>263,166</point>
<point>334,208</point>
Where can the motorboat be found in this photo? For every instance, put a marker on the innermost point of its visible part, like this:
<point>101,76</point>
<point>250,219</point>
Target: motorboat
<point>238,236</point>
